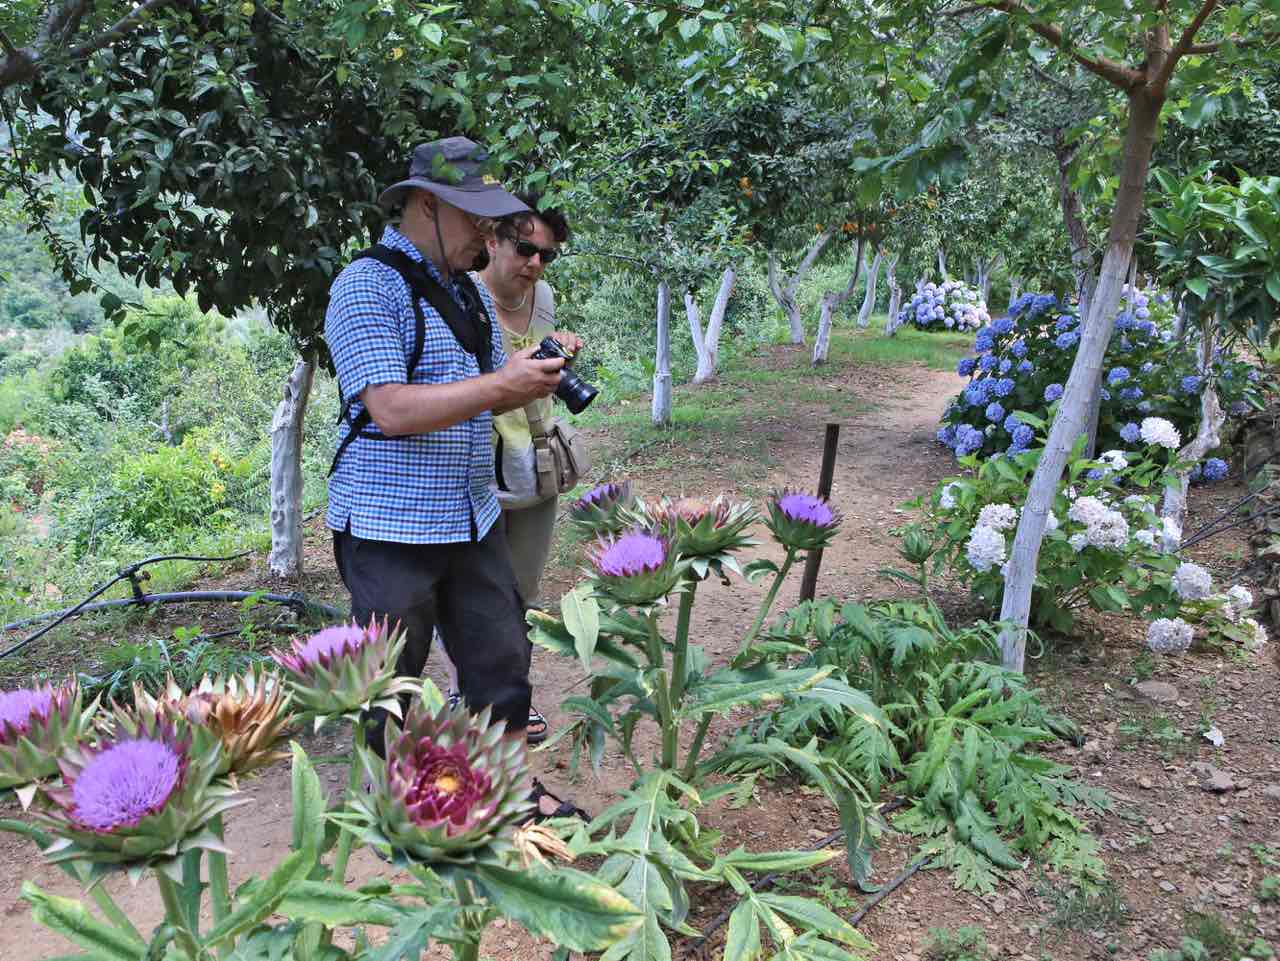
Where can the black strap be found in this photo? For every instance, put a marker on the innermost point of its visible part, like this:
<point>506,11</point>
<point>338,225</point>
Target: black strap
<point>471,327</point>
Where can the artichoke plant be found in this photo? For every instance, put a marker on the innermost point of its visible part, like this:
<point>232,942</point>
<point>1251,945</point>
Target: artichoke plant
<point>602,510</point>
<point>450,788</point>
<point>35,724</point>
<point>707,529</point>
<point>246,712</point>
<point>140,796</point>
<point>802,522</point>
<point>345,670</point>
<point>640,567</point>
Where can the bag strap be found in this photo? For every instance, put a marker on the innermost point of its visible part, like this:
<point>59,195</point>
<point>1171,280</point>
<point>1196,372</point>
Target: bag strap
<point>472,329</point>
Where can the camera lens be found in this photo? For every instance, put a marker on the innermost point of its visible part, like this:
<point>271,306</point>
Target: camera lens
<point>575,392</point>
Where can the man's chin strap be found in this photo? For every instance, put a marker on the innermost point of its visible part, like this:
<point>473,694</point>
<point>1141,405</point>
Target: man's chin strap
<point>444,267</point>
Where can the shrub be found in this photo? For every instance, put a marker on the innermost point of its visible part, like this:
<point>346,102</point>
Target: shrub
<point>951,305</point>
<point>1023,362</point>
<point>1102,549</point>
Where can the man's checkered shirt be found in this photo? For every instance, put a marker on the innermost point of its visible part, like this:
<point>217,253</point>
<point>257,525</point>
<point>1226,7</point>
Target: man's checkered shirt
<point>431,488</point>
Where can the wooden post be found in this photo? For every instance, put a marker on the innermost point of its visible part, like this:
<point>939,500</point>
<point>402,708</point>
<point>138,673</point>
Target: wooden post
<point>809,582</point>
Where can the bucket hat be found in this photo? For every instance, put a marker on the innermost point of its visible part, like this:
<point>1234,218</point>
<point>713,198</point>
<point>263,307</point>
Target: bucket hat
<point>456,170</point>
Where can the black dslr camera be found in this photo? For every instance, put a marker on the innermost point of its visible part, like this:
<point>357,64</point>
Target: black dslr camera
<point>575,392</point>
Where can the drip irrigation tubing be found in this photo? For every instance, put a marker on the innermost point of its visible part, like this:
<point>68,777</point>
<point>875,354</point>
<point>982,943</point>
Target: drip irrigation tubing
<point>1223,516</point>
<point>134,577</point>
<point>1204,533</point>
<point>698,944</point>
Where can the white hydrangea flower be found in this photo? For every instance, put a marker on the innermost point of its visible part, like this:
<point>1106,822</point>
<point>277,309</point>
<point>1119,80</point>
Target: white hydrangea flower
<point>1239,599</point>
<point>1192,582</point>
<point>1087,510</point>
<point>1115,459</point>
<point>1169,635</point>
<point>1259,634</point>
<point>1158,431</point>
<point>1050,521</point>
<point>1146,538</point>
<point>985,548</point>
<point>1078,541</point>
<point>1109,532</point>
<point>947,499</point>
<point>999,516</point>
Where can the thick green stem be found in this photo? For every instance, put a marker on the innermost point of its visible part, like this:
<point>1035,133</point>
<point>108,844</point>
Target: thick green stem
<point>662,697</point>
<point>468,950</point>
<point>219,886</point>
<point>691,761</point>
<point>177,917</point>
<point>769,598</point>
<point>680,659</point>
<point>111,911</point>
<point>346,838</point>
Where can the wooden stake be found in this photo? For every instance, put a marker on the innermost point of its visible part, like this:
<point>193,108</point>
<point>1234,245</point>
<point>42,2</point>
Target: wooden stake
<point>809,582</point>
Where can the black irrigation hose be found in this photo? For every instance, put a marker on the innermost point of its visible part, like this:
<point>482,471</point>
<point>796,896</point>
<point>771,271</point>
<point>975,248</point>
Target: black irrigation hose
<point>1226,514</point>
<point>1202,534</point>
<point>767,881</point>
<point>888,889</point>
<point>131,574</point>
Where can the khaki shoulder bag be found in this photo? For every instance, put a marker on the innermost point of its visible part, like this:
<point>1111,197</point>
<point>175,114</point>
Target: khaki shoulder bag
<point>560,453</point>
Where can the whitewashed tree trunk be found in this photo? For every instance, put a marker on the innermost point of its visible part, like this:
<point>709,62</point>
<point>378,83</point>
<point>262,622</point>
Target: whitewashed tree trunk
<point>1144,111</point>
<point>1015,288</point>
<point>785,293</point>
<point>708,345</point>
<point>895,295</point>
<point>869,297</point>
<point>162,426</point>
<point>662,362</point>
<point>285,559</point>
<point>942,265</point>
<point>831,301</point>
<point>1174,509</point>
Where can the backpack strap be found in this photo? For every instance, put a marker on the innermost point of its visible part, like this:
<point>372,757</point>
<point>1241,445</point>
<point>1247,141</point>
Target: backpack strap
<point>470,327</point>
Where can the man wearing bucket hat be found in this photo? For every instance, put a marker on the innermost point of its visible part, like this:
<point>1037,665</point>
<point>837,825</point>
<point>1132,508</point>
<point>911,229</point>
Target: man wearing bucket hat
<point>421,368</point>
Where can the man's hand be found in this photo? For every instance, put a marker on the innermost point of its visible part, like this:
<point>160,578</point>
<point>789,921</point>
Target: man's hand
<point>525,379</point>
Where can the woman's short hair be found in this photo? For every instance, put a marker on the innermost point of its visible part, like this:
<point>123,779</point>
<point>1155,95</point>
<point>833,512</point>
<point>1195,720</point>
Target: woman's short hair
<point>513,225</point>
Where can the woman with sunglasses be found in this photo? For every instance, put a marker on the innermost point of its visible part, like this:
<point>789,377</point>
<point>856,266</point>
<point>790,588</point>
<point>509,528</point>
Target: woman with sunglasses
<point>520,248</point>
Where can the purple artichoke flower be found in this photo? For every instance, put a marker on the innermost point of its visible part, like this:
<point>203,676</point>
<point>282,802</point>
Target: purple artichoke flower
<point>801,521</point>
<point>139,797</point>
<point>640,567</point>
<point>35,725</point>
<point>344,670</point>
<point>603,510</point>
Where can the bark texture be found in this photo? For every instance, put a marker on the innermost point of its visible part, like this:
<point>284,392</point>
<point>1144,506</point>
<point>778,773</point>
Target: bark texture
<point>285,559</point>
<point>662,363</point>
<point>784,289</point>
<point>707,345</point>
<point>1174,509</point>
<point>869,296</point>
<point>1145,103</point>
<point>831,301</point>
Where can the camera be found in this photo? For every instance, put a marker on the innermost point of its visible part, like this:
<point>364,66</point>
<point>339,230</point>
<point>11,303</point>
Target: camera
<point>573,391</point>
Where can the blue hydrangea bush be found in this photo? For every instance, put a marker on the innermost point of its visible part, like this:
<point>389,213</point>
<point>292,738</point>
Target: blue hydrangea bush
<point>1021,363</point>
<point>951,305</point>
<point>1103,548</point>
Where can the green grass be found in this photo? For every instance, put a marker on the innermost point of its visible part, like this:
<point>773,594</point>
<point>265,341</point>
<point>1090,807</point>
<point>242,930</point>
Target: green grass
<point>907,346</point>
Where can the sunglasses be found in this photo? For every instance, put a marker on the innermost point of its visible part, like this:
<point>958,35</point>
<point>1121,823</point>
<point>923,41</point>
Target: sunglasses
<point>527,249</point>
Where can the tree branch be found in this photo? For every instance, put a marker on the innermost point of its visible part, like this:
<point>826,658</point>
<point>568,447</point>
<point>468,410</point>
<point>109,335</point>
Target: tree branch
<point>1119,74</point>
<point>1184,43</point>
<point>5,42</point>
<point>121,27</point>
<point>1199,49</point>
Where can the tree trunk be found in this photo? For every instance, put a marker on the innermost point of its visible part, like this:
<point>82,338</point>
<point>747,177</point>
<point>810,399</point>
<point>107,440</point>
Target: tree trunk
<point>1073,219</point>
<point>1174,509</point>
<point>942,265</point>
<point>1144,113</point>
<point>662,362</point>
<point>869,297</point>
<point>1015,288</point>
<point>895,295</point>
<point>1180,320</point>
<point>285,559</point>
<point>707,345</point>
<point>162,427</point>
<point>785,294</point>
<point>830,302</point>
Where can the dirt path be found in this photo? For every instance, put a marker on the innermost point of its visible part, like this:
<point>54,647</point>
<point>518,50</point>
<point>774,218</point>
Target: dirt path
<point>1166,830</point>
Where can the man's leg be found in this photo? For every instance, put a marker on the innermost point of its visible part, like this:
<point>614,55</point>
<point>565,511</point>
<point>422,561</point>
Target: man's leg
<point>396,582</point>
<point>481,618</point>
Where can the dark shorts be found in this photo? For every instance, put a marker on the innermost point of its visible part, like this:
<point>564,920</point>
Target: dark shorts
<point>466,590</point>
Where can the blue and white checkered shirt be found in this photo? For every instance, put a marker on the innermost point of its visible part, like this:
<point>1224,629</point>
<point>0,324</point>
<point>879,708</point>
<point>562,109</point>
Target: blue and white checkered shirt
<point>434,488</point>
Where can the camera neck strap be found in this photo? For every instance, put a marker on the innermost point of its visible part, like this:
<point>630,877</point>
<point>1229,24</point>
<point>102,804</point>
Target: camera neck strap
<point>470,326</point>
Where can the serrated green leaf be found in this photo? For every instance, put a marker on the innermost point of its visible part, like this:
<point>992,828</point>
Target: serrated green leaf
<point>570,908</point>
